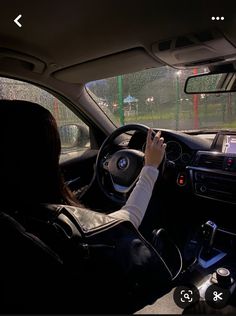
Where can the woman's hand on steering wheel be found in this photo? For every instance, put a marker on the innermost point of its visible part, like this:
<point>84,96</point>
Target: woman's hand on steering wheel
<point>117,171</point>
<point>155,149</point>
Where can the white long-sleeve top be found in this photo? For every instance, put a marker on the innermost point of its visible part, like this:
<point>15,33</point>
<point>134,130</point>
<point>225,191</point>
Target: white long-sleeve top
<point>136,205</point>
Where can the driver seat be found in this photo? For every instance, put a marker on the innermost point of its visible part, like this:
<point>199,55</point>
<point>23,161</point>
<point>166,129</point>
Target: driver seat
<point>26,266</point>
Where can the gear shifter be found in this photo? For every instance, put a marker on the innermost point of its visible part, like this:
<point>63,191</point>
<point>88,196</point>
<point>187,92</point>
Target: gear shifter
<point>208,235</point>
<point>208,254</point>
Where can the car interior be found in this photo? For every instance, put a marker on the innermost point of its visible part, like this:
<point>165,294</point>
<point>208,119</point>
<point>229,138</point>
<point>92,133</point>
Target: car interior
<point>64,55</point>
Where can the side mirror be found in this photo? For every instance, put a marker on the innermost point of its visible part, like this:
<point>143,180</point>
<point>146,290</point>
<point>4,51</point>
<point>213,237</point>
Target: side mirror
<point>74,135</point>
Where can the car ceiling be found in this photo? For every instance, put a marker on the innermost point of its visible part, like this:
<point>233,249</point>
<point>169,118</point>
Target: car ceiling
<point>77,41</point>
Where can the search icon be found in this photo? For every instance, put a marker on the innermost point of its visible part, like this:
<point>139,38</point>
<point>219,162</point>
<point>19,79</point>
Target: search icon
<point>186,295</point>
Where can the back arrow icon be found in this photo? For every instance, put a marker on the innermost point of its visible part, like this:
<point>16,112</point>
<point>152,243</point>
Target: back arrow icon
<point>17,20</point>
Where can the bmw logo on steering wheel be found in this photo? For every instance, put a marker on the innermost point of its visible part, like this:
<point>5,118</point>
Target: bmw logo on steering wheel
<point>122,163</point>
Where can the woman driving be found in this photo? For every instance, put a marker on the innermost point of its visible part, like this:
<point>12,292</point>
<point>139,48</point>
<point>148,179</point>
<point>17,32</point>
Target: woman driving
<point>30,176</point>
<point>31,164</point>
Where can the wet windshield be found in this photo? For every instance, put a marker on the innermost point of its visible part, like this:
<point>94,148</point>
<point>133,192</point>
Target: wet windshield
<point>155,97</point>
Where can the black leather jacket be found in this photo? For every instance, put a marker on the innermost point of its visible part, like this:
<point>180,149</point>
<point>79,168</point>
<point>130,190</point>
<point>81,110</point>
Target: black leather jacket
<point>65,259</point>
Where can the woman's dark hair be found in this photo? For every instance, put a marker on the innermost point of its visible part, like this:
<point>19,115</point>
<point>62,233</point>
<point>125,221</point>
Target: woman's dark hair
<point>29,155</point>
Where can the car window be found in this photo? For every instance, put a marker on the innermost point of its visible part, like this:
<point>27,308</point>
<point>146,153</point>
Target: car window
<point>156,97</point>
<point>73,131</point>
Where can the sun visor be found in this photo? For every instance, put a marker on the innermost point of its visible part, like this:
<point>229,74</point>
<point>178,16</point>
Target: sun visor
<point>10,59</point>
<point>109,66</point>
<point>204,48</point>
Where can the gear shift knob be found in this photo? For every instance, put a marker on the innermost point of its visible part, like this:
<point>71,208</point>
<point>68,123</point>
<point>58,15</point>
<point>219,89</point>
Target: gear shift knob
<point>208,234</point>
<point>209,254</point>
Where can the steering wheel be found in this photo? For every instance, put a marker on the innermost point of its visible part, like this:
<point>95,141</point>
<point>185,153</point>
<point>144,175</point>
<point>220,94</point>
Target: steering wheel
<point>117,171</point>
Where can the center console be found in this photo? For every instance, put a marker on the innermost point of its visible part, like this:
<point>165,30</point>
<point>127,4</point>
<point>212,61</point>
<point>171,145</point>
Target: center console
<point>213,173</point>
<point>214,271</point>
<point>212,176</point>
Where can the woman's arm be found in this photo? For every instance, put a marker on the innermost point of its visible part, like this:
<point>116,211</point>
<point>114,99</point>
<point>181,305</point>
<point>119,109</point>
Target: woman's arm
<point>136,205</point>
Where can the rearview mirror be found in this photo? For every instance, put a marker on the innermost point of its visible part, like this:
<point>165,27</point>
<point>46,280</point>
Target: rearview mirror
<point>211,83</point>
<point>74,135</point>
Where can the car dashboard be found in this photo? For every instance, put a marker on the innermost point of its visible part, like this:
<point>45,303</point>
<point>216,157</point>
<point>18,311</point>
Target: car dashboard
<point>202,175</point>
<point>206,163</point>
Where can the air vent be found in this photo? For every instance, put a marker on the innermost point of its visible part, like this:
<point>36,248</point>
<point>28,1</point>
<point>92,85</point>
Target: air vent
<point>211,161</point>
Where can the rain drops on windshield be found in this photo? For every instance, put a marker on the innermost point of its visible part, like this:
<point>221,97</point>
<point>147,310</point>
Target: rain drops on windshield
<point>155,97</point>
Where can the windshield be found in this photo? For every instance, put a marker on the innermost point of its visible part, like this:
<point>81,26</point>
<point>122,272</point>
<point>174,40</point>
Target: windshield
<point>155,97</point>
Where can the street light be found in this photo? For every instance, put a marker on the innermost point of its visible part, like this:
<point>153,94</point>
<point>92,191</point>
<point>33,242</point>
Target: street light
<point>178,73</point>
<point>150,101</point>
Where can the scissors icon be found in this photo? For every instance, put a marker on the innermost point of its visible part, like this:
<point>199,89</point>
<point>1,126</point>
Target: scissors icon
<point>217,296</point>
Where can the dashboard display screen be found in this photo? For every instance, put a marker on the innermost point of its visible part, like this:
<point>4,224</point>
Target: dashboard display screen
<point>229,144</point>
